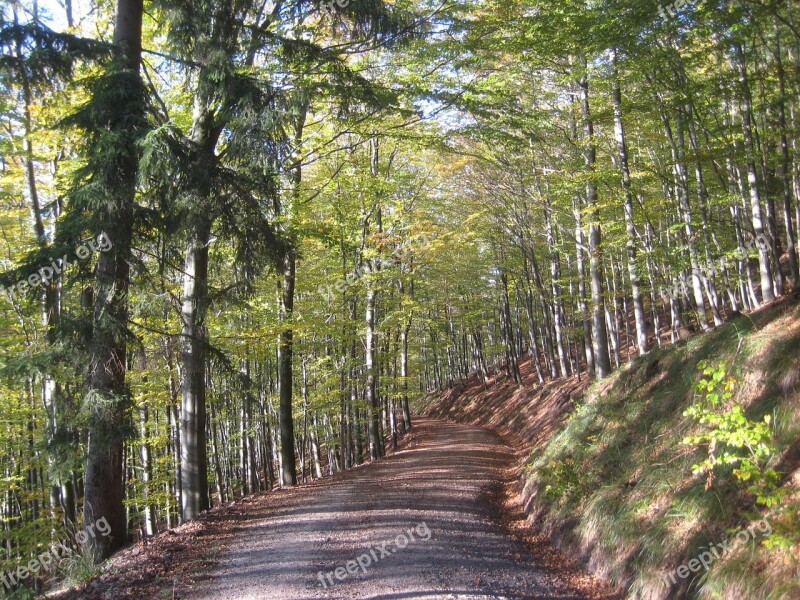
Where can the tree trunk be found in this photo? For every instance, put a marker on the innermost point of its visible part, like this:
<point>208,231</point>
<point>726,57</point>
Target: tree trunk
<point>602,361</point>
<point>630,228</point>
<point>372,401</point>
<point>104,478</point>
<point>194,462</point>
<point>405,329</point>
<point>146,455</point>
<point>786,165</point>
<point>764,260</point>
<point>285,357</point>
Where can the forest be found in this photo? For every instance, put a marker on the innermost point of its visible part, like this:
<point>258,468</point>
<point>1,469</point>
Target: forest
<point>238,238</point>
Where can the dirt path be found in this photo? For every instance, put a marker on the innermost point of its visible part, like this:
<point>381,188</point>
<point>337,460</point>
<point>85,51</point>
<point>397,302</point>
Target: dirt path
<point>438,493</point>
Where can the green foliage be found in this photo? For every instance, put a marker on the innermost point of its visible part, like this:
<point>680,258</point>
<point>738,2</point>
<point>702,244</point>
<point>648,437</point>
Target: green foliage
<point>732,439</point>
<point>619,479</point>
<point>23,593</point>
<point>561,478</point>
<point>257,118</point>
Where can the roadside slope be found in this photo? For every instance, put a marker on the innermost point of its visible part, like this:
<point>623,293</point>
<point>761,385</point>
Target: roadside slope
<point>615,486</point>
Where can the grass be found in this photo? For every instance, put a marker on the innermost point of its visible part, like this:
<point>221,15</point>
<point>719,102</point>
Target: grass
<point>616,483</point>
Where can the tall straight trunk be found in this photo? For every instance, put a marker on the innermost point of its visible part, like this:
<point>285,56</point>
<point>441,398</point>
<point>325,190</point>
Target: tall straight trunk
<point>577,210</point>
<point>404,331</point>
<point>786,165</point>
<point>372,400</point>
<point>764,259</point>
<point>581,273</point>
<point>355,425</point>
<point>305,437</point>
<point>104,478</point>
<point>373,407</point>
<point>315,457</point>
<point>248,432</point>
<point>630,227</point>
<point>602,360</point>
<point>149,527</point>
<point>288,467</point>
<point>205,134</point>
<point>344,409</point>
<point>513,365</point>
<point>217,457</point>
<point>266,443</point>
<point>612,315</point>
<point>708,277</point>
<point>285,370</point>
<point>682,188</point>
<point>244,479</point>
<point>194,335</point>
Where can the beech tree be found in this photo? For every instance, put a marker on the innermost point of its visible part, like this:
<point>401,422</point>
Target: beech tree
<point>316,215</point>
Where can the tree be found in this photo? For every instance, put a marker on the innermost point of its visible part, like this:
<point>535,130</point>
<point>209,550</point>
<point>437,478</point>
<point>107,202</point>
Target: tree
<point>115,121</point>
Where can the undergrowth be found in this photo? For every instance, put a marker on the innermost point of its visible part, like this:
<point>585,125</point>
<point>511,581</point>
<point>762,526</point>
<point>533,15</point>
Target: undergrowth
<point>679,451</point>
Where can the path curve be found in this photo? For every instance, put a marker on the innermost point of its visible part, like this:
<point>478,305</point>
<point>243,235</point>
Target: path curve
<point>437,492</point>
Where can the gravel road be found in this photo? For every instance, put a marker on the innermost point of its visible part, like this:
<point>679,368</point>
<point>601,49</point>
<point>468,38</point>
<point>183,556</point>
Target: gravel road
<point>422,523</point>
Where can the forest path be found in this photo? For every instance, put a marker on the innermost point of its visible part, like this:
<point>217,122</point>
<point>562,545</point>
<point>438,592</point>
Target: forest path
<point>440,491</point>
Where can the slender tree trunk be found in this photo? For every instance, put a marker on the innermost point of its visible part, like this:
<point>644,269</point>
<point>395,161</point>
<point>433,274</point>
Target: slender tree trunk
<point>786,165</point>
<point>406,328</point>
<point>602,361</point>
<point>764,260</point>
<point>146,453</point>
<point>194,462</point>
<point>513,366</point>
<point>630,228</point>
<point>582,304</point>
<point>372,400</point>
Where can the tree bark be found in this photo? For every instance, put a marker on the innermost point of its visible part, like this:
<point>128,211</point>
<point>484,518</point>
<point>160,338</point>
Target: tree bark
<point>104,478</point>
<point>194,461</point>
<point>285,358</point>
<point>602,360</point>
<point>630,228</point>
<point>786,165</point>
<point>764,260</point>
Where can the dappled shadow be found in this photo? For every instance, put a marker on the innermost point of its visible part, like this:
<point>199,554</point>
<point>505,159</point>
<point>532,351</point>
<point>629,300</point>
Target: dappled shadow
<point>641,423</point>
<point>445,476</point>
<point>528,415</point>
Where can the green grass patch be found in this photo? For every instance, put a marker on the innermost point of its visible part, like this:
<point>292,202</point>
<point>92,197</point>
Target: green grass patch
<point>622,476</point>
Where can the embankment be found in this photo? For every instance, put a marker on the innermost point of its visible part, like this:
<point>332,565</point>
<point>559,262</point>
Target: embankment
<point>611,476</point>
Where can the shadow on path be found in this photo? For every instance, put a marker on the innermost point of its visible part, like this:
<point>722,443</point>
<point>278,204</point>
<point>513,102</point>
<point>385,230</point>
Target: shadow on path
<point>440,486</point>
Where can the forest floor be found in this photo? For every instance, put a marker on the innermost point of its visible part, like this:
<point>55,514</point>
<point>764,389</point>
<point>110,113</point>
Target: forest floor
<point>451,490</point>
